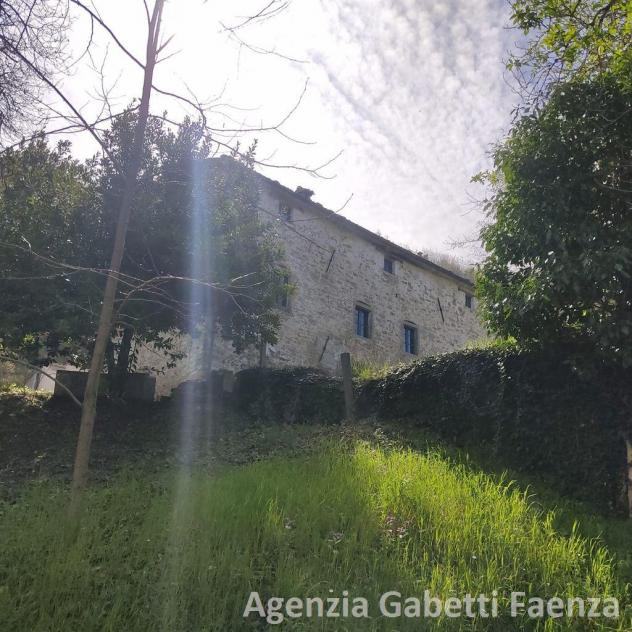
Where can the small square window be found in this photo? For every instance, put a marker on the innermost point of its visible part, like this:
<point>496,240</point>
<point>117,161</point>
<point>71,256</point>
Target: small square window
<point>362,315</point>
<point>285,212</point>
<point>389,265</point>
<point>468,300</point>
<point>410,339</point>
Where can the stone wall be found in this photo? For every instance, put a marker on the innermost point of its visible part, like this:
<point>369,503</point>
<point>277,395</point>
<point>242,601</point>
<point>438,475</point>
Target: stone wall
<point>191,367</point>
<point>289,395</point>
<point>334,268</point>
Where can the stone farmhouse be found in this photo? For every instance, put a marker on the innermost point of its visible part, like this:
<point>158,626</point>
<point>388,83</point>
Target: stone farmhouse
<point>354,291</point>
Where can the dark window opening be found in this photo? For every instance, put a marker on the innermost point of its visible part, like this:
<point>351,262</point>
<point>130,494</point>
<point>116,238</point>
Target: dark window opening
<point>468,300</point>
<point>389,265</point>
<point>362,315</point>
<point>285,212</point>
<point>410,339</point>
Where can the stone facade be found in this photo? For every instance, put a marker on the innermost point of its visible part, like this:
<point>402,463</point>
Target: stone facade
<point>336,266</point>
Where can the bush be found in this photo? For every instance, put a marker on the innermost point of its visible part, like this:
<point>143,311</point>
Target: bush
<point>548,413</point>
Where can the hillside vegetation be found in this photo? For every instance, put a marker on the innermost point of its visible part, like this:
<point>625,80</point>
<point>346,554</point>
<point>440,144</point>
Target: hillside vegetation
<point>300,510</point>
<point>182,549</point>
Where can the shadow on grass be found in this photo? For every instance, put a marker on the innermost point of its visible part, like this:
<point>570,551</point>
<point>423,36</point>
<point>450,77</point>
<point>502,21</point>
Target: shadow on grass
<point>569,515</point>
<point>356,515</point>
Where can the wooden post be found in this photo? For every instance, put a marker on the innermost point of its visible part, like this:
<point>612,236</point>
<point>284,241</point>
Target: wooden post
<point>347,383</point>
<point>628,446</point>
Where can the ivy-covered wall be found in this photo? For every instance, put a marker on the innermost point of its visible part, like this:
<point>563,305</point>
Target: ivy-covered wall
<point>547,413</point>
<point>289,395</point>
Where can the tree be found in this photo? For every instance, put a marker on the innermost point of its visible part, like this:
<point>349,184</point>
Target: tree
<point>49,206</point>
<point>570,39</point>
<point>64,107</point>
<point>104,327</point>
<point>560,245</point>
<point>190,208</point>
<point>559,260</point>
<point>61,214</point>
<point>32,43</point>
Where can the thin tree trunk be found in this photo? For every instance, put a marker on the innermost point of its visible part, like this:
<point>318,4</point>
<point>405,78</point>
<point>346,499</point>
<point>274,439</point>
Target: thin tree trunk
<point>628,474</point>
<point>88,411</point>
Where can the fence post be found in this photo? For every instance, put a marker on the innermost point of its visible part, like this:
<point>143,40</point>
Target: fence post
<point>347,383</point>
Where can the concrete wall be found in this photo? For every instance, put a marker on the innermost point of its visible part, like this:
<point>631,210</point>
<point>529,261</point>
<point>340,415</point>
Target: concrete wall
<point>17,374</point>
<point>333,269</point>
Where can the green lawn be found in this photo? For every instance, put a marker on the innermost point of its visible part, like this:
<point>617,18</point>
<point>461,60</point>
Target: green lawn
<point>178,551</point>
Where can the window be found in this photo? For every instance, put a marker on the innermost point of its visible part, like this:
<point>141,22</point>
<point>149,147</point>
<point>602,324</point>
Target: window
<point>410,339</point>
<point>362,315</point>
<point>285,212</point>
<point>389,265</point>
<point>468,300</point>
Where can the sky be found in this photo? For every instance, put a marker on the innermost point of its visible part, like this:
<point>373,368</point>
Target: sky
<point>408,96</point>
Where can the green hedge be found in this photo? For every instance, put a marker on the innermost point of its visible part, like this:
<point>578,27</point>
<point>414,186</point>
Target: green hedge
<point>551,413</point>
<point>548,413</point>
<point>289,395</point>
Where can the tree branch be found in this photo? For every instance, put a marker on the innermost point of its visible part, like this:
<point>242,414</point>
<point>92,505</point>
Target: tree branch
<point>39,370</point>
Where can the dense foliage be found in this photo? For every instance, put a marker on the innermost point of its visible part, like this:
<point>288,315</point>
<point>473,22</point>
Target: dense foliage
<point>49,206</point>
<point>570,40</point>
<point>198,257</point>
<point>195,242</point>
<point>560,234</point>
<point>556,417</point>
<point>292,395</point>
<point>560,244</point>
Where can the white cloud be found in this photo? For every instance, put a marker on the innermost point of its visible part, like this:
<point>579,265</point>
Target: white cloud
<point>412,91</point>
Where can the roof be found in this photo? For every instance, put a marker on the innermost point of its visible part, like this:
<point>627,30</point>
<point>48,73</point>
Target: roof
<point>388,246</point>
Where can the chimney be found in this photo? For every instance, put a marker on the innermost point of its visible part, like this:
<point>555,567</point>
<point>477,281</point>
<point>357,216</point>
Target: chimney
<point>304,193</point>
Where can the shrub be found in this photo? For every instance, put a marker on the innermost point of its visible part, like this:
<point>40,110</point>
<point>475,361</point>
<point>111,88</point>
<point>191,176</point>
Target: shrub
<point>548,413</point>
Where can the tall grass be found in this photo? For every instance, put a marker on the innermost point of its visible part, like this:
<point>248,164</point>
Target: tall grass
<point>365,370</point>
<point>366,520</point>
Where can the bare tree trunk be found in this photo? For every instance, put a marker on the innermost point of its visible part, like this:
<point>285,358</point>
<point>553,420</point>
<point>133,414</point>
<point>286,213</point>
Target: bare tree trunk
<point>628,474</point>
<point>88,411</point>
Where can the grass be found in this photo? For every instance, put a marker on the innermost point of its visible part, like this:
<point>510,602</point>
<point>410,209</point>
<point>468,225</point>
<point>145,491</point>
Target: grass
<point>365,370</point>
<point>285,510</point>
<point>182,551</point>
